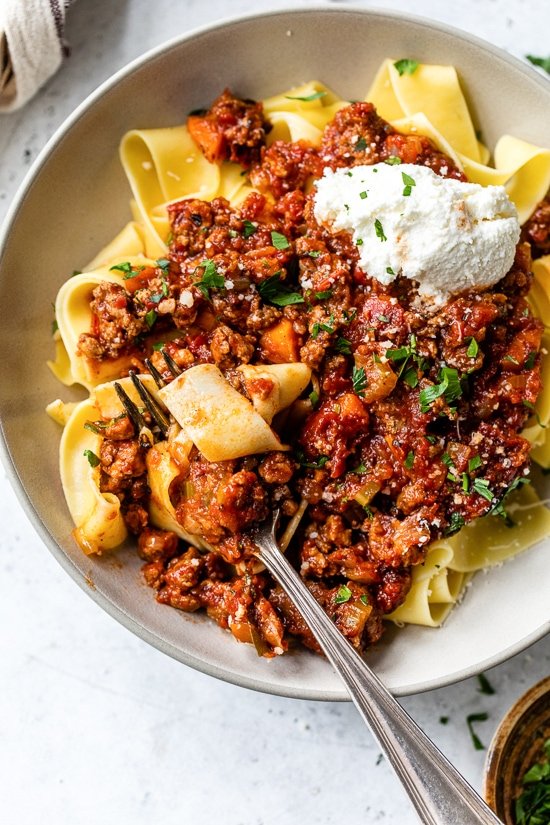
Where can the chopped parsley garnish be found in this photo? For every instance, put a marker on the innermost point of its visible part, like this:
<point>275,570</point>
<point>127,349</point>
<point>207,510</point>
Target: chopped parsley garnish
<point>390,271</point>
<point>398,354</point>
<point>406,66</point>
<point>447,460</point>
<point>499,509</point>
<point>211,279</point>
<point>279,241</point>
<point>343,346</point>
<point>393,161</point>
<point>449,387</point>
<point>274,292</point>
<point>484,685</point>
<point>443,720</point>
<point>359,242</point>
<point>315,464</point>
<point>359,380</point>
<point>248,229</point>
<point>481,487</point>
<point>364,598</point>
<point>158,346</point>
<point>383,318</point>
<point>362,195</point>
<point>456,523</point>
<point>511,359</point>
<point>473,348</point>
<point>343,595</point>
<point>307,98</point>
<point>378,228</point>
<point>532,807</point>
<point>530,361</point>
<point>411,377</point>
<point>409,461</point>
<point>466,482</point>
<point>125,267</point>
<point>541,62</point>
<point>321,296</point>
<point>318,326</point>
<point>314,253</point>
<point>409,183</point>
<point>360,145</point>
<point>360,469</point>
<point>93,459</point>
<point>476,717</point>
<point>150,318</point>
<point>314,398</point>
<point>474,464</point>
<point>164,264</point>
<point>55,326</point>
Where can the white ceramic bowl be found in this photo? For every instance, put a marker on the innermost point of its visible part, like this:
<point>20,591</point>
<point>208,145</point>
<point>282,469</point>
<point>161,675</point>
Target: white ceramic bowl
<point>75,199</point>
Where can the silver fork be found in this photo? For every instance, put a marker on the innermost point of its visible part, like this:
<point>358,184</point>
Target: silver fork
<point>439,793</point>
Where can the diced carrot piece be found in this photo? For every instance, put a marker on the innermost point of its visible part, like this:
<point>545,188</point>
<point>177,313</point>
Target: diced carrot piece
<point>205,132</point>
<point>280,343</point>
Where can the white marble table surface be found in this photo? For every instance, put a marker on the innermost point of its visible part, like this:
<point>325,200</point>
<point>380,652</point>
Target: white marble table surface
<point>95,726</point>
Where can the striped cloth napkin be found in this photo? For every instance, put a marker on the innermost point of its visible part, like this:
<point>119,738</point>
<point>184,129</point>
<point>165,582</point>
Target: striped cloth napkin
<point>31,47</point>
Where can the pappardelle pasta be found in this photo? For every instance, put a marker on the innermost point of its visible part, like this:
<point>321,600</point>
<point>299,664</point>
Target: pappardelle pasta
<point>392,433</point>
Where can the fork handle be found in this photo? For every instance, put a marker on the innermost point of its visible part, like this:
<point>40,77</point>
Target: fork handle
<point>440,795</point>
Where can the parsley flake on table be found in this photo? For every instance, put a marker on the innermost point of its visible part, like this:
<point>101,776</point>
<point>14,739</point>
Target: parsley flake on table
<point>273,291</point>
<point>476,717</point>
<point>406,66</point>
<point>541,62</point>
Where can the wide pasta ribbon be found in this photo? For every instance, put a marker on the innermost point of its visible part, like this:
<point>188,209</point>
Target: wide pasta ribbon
<point>435,93</point>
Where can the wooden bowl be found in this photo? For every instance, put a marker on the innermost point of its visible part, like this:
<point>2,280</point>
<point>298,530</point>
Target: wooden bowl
<point>516,746</point>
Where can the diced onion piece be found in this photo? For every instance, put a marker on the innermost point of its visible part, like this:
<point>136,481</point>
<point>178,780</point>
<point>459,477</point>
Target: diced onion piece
<point>366,494</point>
<point>220,421</point>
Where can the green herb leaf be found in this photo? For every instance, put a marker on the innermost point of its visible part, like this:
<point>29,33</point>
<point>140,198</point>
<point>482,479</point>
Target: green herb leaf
<point>398,354</point>
<point>409,183</point>
<point>484,685</point>
<point>409,461</point>
<point>275,292</point>
<point>378,228</point>
<point>473,348</point>
<point>474,464</point>
<point>93,459</point>
<point>360,145</point>
<point>362,195</point>
<point>314,398</point>
<point>314,464</point>
<point>360,469</point>
<point>343,595</point>
<point>411,378</point>
<point>364,598</point>
<point>542,62</point>
<point>449,387</point>
<point>390,271</point>
<point>476,717</point>
<point>456,523</point>
<point>211,279</point>
<point>343,346</point>
<point>164,264</point>
<point>150,318</point>
<point>158,346</point>
<point>406,66</point>
<point>307,98</point>
<point>393,161</point>
<point>481,487</point>
<point>279,241</point>
<point>248,229</point>
<point>530,361</point>
<point>321,296</point>
<point>123,267</point>
<point>359,380</point>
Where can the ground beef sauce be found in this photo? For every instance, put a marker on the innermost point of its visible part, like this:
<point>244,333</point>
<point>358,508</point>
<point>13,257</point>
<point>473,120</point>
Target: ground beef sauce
<point>411,429</point>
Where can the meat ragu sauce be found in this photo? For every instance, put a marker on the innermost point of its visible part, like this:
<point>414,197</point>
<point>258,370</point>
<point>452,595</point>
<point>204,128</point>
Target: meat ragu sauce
<point>411,427</point>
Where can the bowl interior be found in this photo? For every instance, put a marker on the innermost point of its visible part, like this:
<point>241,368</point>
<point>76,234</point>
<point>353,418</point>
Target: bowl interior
<point>76,199</point>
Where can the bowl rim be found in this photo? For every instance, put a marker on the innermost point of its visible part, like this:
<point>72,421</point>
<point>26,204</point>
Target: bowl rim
<point>118,612</point>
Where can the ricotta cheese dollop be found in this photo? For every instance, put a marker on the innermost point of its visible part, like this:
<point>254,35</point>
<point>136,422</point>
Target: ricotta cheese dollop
<point>447,235</point>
